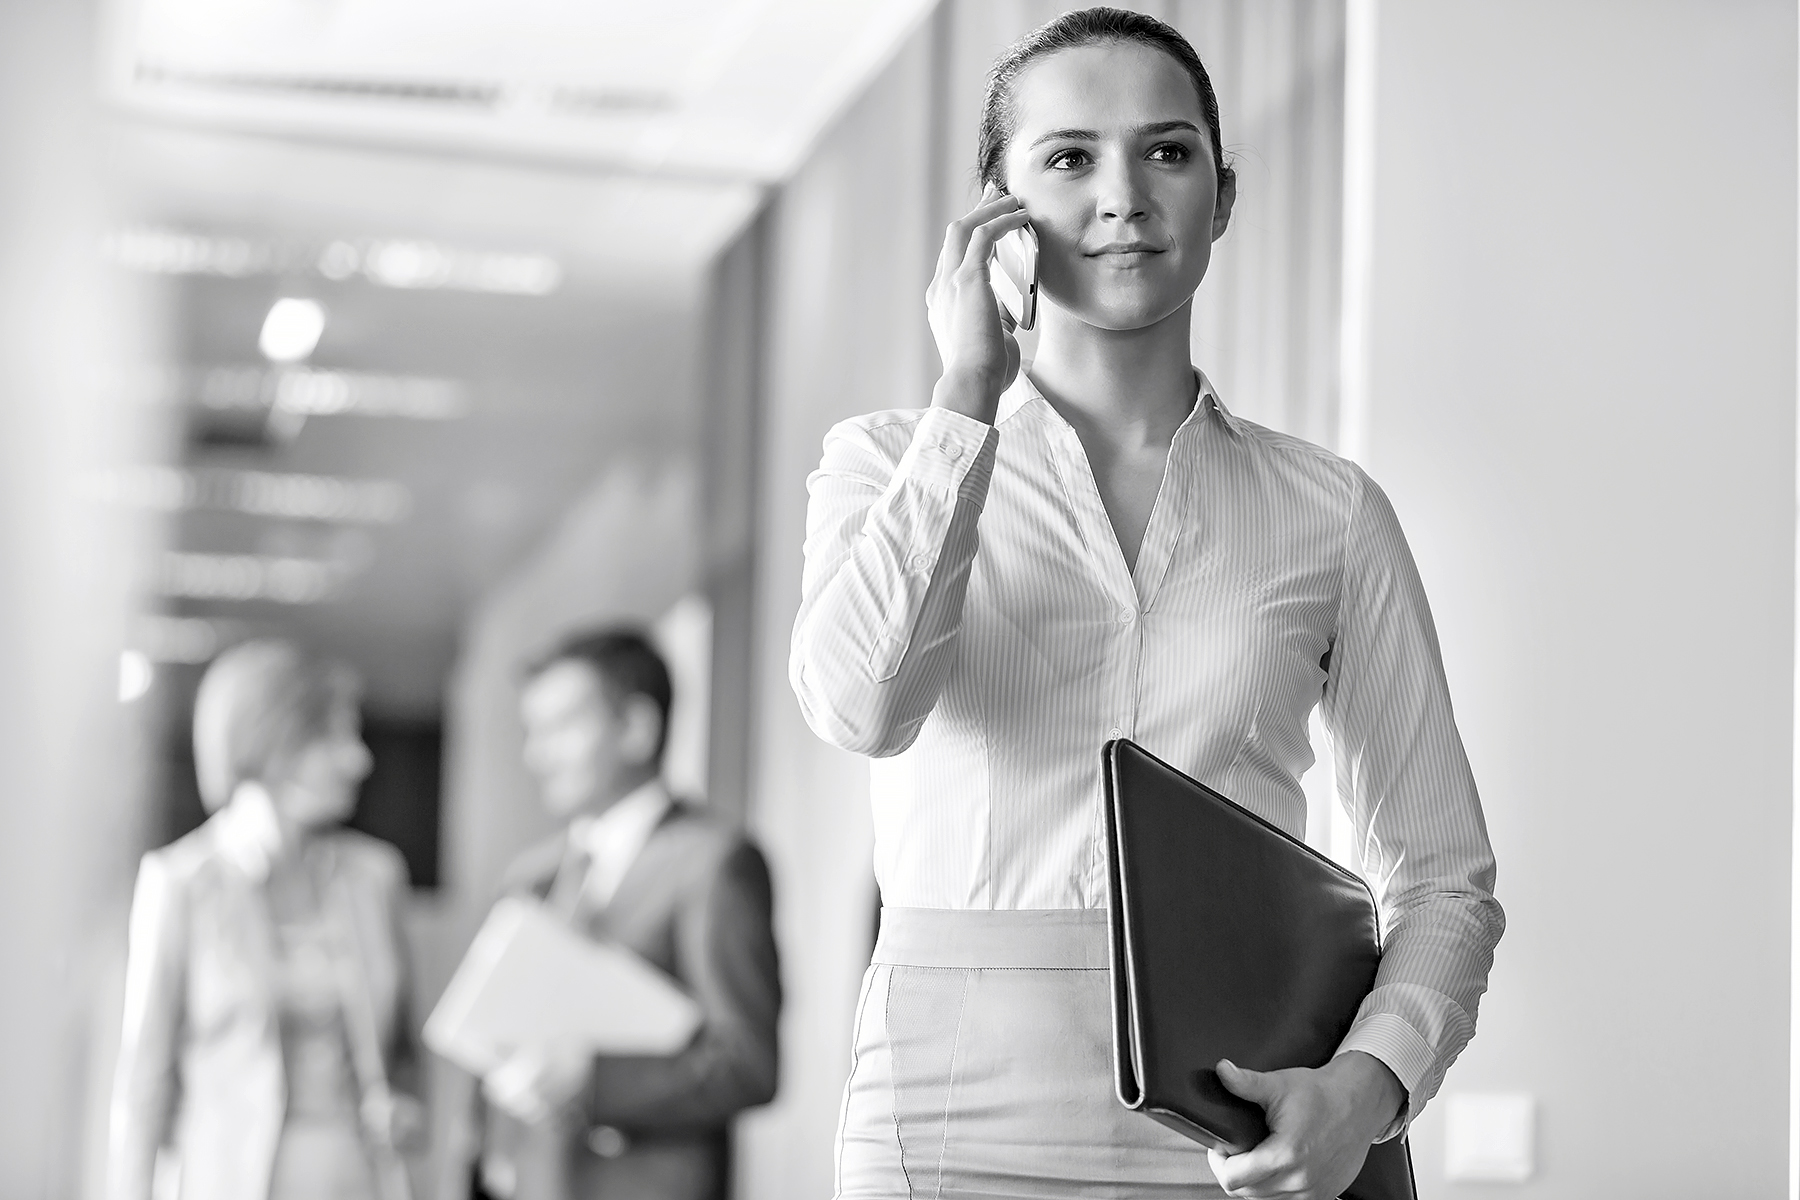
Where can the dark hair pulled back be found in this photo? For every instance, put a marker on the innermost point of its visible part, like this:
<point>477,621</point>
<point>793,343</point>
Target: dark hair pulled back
<point>1087,27</point>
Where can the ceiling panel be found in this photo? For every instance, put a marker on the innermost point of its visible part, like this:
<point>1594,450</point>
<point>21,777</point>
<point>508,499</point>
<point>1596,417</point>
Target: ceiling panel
<point>719,88</point>
<point>491,408</point>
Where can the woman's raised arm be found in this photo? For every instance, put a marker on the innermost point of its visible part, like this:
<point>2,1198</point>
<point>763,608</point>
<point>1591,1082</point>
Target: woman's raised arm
<point>890,541</point>
<point>890,528</point>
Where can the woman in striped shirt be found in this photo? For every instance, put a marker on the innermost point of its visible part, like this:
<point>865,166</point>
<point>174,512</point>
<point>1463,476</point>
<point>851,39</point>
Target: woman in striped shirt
<point>1039,561</point>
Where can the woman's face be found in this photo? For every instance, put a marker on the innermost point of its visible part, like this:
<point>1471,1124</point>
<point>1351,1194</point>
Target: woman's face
<point>317,786</point>
<point>1111,158</point>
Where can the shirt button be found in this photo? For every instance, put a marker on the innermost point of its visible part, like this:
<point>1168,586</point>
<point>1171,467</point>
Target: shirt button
<point>952,452</point>
<point>1115,732</point>
<point>920,561</point>
<point>1126,616</point>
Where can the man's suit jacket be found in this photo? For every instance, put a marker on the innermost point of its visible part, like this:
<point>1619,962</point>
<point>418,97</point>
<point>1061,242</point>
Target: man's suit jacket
<point>696,903</point>
<point>200,1066</point>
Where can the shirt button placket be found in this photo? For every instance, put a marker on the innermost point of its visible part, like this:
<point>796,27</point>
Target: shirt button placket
<point>1134,663</point>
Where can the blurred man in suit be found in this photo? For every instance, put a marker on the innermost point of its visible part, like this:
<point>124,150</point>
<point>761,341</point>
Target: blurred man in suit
<point>685,891</point>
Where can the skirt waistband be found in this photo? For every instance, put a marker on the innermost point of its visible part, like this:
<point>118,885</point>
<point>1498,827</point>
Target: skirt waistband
<point>1065,939</point>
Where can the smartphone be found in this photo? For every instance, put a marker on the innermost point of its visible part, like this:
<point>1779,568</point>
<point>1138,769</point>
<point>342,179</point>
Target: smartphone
<point>1016,280</point>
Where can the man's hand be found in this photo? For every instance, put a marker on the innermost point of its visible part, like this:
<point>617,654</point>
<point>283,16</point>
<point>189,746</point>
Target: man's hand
<point>1321,1122</point>
<point>538,1080</point>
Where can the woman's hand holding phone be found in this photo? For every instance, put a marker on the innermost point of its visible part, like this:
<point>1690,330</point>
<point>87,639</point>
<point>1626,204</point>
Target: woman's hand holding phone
<point>973,333</point>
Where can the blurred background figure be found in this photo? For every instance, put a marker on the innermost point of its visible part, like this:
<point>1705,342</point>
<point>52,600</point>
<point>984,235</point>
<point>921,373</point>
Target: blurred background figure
<point>267,1050</point>
<point>642,869</point>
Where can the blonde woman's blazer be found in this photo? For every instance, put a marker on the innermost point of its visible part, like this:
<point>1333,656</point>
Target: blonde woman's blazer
<point>200,1067</point>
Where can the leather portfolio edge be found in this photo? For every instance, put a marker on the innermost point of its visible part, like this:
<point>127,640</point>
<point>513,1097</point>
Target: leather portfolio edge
<point>1393,1159</point>
<point>1125,1048</point>
<point>1128,1053</point>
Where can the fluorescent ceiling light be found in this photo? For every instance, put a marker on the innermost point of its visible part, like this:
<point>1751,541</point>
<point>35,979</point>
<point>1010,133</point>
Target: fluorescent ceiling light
<point>396,263</point>
<point>292,329</point>
<point>243,577</point>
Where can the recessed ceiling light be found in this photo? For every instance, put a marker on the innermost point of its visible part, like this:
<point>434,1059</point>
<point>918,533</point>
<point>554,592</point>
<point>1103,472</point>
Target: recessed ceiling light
<point>291,330</point>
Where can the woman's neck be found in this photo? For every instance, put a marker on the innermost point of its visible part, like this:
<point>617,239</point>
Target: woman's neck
<point>295,838</point>
<point>1133,387</point>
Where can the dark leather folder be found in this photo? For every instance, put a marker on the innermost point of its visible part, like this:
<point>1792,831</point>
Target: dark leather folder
<point>1229,939</point>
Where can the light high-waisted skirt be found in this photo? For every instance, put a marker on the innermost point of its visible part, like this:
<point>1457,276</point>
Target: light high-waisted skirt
<point>983,1068</point>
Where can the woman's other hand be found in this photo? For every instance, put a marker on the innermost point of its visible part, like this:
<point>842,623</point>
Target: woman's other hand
<point>1321,1122</point>
<point>395,1119</point>
<point>973,332</point>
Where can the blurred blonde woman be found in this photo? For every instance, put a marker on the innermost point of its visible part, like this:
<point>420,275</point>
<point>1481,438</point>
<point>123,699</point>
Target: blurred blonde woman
<point>265,986</point>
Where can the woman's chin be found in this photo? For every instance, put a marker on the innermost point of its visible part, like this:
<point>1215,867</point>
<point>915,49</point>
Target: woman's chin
<point>320,815</point>
<point>1127,314</point>
<point>1124,306</point>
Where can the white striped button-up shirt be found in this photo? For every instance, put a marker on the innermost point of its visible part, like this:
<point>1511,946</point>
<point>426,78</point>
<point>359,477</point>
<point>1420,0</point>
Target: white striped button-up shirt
<point>969,622</point>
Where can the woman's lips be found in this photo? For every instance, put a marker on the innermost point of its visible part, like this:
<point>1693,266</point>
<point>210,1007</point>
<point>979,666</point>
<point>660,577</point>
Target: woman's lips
<point>1125,254</point>
<point>1124,258</point>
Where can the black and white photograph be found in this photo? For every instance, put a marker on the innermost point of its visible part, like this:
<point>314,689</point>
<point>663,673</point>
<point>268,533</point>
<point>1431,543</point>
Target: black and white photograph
<point>899,600</point>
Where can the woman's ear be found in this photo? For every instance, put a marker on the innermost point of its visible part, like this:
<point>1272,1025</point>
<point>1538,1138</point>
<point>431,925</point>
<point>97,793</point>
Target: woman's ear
<point>1222,205</point>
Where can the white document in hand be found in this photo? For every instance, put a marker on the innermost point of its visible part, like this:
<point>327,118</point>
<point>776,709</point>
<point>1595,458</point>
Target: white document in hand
<point>528,979</point>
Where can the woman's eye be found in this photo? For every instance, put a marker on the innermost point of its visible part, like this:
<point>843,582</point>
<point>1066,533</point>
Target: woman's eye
<point>1170,152</point>
<point>1068,160</point>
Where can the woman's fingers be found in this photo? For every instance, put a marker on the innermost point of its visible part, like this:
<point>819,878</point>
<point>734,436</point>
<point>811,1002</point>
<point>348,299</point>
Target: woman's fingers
<point>957,235</point>
<point>970,326</point>
<point>982,239</point>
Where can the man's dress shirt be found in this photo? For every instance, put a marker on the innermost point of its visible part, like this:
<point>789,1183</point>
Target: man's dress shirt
<point>969,622</point>
<point>613,840</point>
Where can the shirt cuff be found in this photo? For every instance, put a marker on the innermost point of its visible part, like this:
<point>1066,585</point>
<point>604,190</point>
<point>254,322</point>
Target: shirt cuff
<point>952,452</point>
<point>1402,1049</point>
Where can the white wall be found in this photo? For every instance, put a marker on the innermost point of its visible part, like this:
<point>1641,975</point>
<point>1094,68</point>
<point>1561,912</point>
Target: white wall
<point>70,817</point>
<point>846,257</point>
<point>1582,403</point>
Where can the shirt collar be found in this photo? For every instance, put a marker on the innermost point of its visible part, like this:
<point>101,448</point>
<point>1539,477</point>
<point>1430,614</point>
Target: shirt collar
<point>1017,396</point>
<point>1209,401</point>
<point>246,832</point>
<point>627,824</point>
<point>1023,392</point>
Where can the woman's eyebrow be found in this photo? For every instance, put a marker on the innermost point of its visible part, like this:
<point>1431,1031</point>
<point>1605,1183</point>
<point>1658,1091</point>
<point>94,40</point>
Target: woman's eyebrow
<point>1092,135</point>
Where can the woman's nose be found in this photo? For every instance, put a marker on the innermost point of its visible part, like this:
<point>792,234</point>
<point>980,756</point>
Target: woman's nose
<point>1120,196</point>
